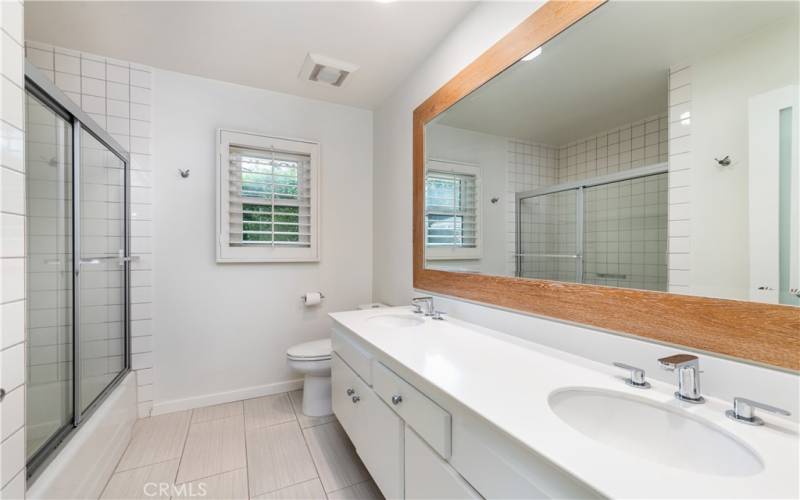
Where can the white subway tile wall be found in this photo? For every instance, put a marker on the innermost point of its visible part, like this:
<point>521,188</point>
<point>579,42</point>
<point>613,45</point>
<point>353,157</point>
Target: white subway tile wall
<point>529,166</point>
<point>12,251</point>
<point>117,95</point>
<point>680,165</point>
<point>625,225</point>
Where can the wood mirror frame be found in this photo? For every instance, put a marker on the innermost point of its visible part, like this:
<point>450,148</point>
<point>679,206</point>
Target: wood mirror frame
<point>755,332</point>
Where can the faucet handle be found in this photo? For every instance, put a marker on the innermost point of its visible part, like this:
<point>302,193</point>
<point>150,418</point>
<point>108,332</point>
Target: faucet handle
<point>637,376</point>
<point>744,411</point>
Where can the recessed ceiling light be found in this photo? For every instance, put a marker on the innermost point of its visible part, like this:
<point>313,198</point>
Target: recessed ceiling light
<point>533,54</point>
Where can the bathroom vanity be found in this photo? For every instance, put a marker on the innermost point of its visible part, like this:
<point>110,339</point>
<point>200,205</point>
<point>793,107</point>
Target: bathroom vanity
<point>447,409</point>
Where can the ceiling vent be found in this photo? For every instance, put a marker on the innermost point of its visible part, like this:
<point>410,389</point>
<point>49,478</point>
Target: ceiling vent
<point>326,70</point>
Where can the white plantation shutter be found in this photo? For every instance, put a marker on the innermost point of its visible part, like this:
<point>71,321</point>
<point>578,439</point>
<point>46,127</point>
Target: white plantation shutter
<point>452,211</point>
<point>267,199</point>
<point>270,198</point>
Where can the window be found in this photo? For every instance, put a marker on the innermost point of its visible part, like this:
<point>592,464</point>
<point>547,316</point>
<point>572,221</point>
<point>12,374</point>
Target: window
<point>452,211</point>
<point>267,200</point>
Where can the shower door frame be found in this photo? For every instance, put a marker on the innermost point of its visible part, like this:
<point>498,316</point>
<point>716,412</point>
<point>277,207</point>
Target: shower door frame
<point>578,187</point>
<point>43,89</point>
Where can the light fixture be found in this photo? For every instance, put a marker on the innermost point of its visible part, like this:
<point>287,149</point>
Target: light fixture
<point>533,54</point>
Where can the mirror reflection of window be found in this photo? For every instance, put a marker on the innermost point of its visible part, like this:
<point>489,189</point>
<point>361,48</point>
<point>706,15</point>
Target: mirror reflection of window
<point>452,209</point>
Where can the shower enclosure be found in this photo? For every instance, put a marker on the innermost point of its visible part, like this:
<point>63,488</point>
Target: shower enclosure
<point>77,266</point>
<point>609,230</point>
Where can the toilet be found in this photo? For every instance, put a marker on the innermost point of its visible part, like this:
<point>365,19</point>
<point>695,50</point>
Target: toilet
<point>313,360</point>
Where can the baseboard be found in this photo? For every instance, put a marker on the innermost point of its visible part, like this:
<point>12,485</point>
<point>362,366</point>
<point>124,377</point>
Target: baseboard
<point>225,397</point>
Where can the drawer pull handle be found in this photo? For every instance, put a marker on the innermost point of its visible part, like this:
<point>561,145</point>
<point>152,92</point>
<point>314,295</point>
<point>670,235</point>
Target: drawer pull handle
<point>397,399</point>
<point>350,392</point>
<point>356,399</point>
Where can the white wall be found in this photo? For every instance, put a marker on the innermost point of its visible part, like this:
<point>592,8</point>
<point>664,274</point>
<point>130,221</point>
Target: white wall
<point>222,330</point>
<point>12,252</point>
<point>486,24</point>
<point>489,152</point>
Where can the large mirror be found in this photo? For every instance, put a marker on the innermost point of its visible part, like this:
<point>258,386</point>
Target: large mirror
<point>652,145</point>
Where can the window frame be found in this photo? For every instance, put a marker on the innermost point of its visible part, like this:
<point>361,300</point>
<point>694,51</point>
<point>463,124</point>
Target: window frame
<point>456,252</point>
<point>264,253</point>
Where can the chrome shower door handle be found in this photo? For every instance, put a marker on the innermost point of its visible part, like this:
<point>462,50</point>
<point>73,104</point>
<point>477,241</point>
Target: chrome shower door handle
<point>123,259</point>
<point>85,262</point>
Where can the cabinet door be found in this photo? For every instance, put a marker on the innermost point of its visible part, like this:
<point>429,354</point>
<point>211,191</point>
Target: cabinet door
<point>344,385</point>
<point>381,444</point>
<point>428,476</point>
<point>375,430</point>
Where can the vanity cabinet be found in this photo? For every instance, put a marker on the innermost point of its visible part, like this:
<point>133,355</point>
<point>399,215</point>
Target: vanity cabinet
<point>428,475</point>
<point>375,430</point>
<point>401,435</point>
<point>418,447</point>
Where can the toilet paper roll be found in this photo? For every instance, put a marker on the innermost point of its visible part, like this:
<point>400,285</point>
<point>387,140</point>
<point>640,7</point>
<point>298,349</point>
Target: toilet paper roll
<point>312,298</point>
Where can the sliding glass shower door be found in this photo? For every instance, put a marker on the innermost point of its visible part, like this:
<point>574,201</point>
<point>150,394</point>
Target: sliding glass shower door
<point>48,142</point>
<point>77,267</point>
<point>101,277</point>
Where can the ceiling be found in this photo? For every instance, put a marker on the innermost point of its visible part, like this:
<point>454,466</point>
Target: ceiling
<point>609,69</point>
<point>260,44</point>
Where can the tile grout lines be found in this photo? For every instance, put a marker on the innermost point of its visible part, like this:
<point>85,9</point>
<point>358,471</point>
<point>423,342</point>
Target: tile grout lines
<point>190,415</point>
<point>308,448</point>
<point>183,448</point>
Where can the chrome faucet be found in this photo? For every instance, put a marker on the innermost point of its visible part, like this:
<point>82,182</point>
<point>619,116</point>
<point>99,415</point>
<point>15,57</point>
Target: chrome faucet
<point>687,366</point>
<point>419,302</point>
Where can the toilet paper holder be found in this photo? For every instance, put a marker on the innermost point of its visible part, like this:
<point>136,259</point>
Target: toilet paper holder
<point>321,296</point>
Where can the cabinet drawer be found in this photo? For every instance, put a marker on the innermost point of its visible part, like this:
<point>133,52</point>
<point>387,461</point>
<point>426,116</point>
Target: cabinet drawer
<point>427,418</point>
<point>428,476</point>
<point>353,354</point>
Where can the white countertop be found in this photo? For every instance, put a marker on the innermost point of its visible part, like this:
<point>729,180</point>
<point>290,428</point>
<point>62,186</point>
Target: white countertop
<point>507,381</point>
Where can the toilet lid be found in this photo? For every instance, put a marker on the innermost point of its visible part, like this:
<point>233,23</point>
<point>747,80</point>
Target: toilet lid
<point>311,351</point>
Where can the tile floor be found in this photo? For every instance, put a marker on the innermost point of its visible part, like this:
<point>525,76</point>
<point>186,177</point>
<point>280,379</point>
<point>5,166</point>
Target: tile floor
<point>257,448</point>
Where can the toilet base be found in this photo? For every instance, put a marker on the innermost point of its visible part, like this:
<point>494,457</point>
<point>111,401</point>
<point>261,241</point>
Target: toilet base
<point>317,396</point>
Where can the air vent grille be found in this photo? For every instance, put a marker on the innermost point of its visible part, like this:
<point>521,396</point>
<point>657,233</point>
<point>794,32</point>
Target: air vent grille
<point>326,70</point>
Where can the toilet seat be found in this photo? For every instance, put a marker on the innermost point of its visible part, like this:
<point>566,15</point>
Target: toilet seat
<point>316,350</point>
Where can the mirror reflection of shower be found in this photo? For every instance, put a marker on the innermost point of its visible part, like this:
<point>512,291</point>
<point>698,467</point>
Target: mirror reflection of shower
<point>609,230</point>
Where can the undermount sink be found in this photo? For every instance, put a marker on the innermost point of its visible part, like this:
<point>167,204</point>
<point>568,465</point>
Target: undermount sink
<point>654,431</point>
<point>396,320</point>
